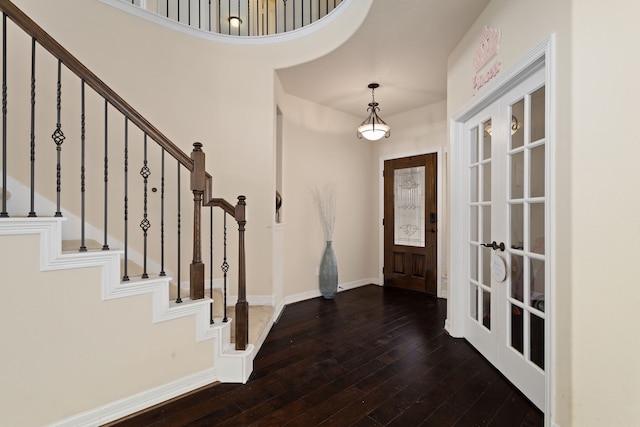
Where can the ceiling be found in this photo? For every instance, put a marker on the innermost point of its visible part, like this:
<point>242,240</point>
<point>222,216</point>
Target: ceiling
<point>403,45</point>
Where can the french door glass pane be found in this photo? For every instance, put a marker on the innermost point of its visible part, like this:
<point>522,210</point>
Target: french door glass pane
<point>536,160</point>
<point>516,328</point>
<point>473,262</point>
<point>537,284</point>
<point>473,223</point>
<point>517,277</point>
<point>486,309</point>
<point>517,124</point>
<point>486,144</point>
<point>473,301</point>
<point>473,146</point>
<point>473,184</point>
<point>517,226</point>
<point>517,175</point>
<point>409,202</point>
<point>486,182</point>
<point>486,265</point>
<point>537,115</point>
<point>536,228</point>
<point>536,337</point>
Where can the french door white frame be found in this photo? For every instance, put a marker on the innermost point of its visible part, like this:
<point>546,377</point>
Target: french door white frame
<point>542,55</point>
<point>439,211</point>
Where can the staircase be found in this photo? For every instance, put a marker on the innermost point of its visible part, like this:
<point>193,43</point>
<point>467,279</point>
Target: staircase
<point>101,326</point>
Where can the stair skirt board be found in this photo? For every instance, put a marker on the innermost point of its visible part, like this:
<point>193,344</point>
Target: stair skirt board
<point>230,365</point>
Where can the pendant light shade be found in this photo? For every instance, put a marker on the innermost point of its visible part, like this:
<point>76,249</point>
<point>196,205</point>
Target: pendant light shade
<point>373,128</point>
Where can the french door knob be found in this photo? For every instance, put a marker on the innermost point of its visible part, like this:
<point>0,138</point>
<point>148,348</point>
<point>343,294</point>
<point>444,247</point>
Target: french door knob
<point>494,245</point>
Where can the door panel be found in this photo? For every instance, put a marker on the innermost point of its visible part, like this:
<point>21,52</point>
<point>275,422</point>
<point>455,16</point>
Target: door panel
<point>506,156</point>
<point>410,224</point>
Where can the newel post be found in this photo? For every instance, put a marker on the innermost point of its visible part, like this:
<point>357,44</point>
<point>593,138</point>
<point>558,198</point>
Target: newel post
<point>198,178</point>
<point>242,306</point>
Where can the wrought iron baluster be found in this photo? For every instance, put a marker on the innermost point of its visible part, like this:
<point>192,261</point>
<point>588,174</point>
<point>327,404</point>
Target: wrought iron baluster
<point>228,20</point>
<point>58,138</point>
<point>294,15</point>
<point>145,172</point>
<point>125,276</point>
<point>225,269</point>
<point>4,213</point>
<point>167,8</point>
<point>32,212</point>
<point>240,21</point>
<point>105,246</point>
<point>284,6</point>
<point>179,300</point>
<point>209,15</point>
<point>162,272</point>
<point>211,263</point>
<point>83,247</point>
<point>178,10</point>
<point>189,12</point>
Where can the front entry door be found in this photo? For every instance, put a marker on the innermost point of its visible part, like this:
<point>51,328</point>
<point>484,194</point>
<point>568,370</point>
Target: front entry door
<point>506,157</point>
<point>410,223</point>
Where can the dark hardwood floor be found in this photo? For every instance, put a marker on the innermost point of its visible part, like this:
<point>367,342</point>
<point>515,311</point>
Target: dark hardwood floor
<point>373,356</point>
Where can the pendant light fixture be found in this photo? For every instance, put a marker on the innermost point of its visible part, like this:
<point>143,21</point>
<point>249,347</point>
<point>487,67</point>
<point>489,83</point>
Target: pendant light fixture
<point>373,128</point>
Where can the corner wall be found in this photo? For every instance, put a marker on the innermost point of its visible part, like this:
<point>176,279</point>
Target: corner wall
<point>524,25</point>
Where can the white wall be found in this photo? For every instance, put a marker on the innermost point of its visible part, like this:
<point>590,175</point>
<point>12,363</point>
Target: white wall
<point>524,25</point>
<point>320,147</point>
<point>67,351</point>
<point>606,207</point>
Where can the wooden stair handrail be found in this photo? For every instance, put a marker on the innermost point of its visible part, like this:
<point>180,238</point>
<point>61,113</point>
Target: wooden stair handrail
<point>73,64</point>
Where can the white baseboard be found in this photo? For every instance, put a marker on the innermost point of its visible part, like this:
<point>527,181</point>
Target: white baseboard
<point>123,407</point>
<point>341,287</point>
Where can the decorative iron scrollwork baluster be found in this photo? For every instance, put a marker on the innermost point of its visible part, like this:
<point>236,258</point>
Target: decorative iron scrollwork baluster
<point>225,268</point>
<point>125,276</point>
<point>105,245</point>
<point>179,299</point>
<point>4,213</point>
<point>58,138</point>
<point>83,247</point>
<point>211,262</point>
<point>145,225</point>
<point>162,272</point>
<point>32,212</point>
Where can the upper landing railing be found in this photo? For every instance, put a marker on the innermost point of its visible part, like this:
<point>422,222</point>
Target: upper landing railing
<point>241,17</point>
<point>96,133</point>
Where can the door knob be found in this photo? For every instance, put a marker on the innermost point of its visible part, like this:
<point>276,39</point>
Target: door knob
<point>495,246</point>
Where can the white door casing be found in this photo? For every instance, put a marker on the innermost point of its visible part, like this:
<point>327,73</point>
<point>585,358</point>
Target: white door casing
<point>479,110</point>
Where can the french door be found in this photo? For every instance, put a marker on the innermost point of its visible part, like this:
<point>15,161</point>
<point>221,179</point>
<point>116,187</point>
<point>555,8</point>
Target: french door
<point>506,162</point>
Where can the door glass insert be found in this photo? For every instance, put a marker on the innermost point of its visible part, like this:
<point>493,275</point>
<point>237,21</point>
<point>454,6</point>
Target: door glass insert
<point>536,344</point>
<point>486,140</point>
<point>536,159</point>
<point>409,200</point>
<point>517,278</point>
<point>517,175</point>
<point>486,309</point>
<point>517,124</point>
<point>536,227</point>
<point>516,328</point>
<point>473,301</point>
<point>486,182</point>
<point>473,262</point>
<point>517,226</point>
<point>538,127</point>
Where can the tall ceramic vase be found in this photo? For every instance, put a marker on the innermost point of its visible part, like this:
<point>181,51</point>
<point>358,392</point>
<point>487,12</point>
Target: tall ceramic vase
<point>329,273</point>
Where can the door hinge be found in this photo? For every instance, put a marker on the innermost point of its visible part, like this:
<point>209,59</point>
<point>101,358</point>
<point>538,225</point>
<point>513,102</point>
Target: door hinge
<point>382,270</point>
<point>382,221</point>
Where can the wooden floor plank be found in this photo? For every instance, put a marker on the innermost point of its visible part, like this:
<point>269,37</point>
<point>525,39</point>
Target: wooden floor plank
<point>371,357</point>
